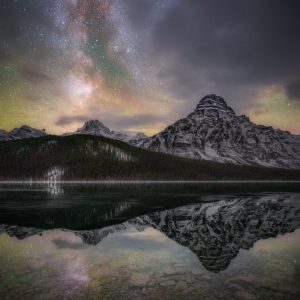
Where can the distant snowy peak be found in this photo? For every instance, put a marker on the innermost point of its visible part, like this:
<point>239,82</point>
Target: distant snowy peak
<point>138,139</point>
<point>140,135</point>
<point>22,132</point>
<point>25,132</point>
<point>95,127</point>
<point>214,132</point>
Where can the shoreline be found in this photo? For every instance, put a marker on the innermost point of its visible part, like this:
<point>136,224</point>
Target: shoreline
<point>52,182</point>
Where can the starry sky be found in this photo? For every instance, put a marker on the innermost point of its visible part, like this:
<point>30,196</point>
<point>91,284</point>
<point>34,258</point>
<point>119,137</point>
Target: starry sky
<point>139,65</point>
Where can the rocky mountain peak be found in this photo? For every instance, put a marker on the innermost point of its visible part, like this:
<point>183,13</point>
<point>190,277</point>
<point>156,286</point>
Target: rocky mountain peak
<point>94,127</point>
<point>93,124</point>
<point>213,103</point>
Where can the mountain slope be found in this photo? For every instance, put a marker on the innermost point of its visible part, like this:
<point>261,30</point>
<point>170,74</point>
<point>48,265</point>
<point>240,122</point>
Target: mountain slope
<point>214,132</point>
<point>78,157</point>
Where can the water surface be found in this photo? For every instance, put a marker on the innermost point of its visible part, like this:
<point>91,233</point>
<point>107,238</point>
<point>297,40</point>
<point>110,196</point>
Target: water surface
<point>154,241</point>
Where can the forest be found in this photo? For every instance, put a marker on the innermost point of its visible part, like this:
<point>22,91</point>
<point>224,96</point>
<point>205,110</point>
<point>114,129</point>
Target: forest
<point>85,157</point>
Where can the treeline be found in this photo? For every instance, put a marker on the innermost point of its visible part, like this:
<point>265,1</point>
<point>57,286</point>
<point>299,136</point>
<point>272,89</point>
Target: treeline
<point>83,157</point>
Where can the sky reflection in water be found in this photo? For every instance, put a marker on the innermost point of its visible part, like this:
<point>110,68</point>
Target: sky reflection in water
<point>241,247</point>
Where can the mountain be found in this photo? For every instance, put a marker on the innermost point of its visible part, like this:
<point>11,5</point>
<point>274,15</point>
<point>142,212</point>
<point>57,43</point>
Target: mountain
<point>89,157</point>
<point>95,127</point>
<point>214,132</point>
<point>211,132</point>
<point>23,132</point>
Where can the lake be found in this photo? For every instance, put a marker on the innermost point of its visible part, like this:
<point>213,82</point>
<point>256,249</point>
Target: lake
<point>150,241</point>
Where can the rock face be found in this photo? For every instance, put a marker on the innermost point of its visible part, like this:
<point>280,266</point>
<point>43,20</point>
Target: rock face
<point>22,132</point>
<point>214,132</point>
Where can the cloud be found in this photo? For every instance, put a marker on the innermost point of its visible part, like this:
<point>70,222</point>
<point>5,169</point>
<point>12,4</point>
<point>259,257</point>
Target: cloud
<point>67,120</point>
<point>63,244</point>
<point>140,63</point>
<point>33,74</point>
<point>114,120</point>
<point>229,47</point>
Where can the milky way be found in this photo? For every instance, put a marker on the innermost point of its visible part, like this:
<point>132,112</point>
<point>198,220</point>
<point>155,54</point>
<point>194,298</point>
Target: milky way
<point>138,65</point>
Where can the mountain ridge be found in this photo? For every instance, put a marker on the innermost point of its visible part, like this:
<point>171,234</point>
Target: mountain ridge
<point>213,132</point>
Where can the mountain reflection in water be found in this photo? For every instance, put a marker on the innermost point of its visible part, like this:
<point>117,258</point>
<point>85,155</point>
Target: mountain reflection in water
<point>215,231</point>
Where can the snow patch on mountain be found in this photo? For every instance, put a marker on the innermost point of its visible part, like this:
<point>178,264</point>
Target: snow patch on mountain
<point>101,148</point>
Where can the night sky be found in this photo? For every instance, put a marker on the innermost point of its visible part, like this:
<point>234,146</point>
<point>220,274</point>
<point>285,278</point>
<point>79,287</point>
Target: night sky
<point>139,65</point>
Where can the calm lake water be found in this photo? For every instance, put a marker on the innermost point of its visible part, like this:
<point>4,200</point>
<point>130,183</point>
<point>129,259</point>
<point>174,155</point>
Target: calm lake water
<point>150,241</point>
